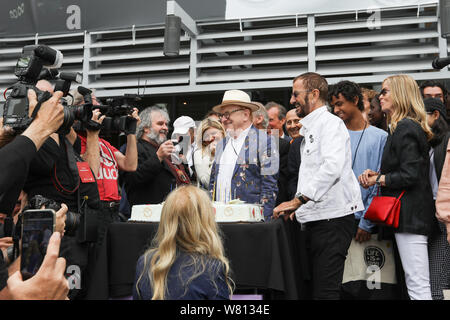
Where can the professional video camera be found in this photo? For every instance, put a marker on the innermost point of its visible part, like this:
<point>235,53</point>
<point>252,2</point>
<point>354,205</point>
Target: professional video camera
<point>117,113</point>
<point>29,69</point>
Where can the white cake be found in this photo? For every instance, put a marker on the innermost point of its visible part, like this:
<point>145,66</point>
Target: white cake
<point>234,211</point>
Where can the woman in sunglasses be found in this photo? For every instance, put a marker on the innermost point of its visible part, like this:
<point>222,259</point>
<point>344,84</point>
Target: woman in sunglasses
<point>405,167</point>
<point>211,131</point>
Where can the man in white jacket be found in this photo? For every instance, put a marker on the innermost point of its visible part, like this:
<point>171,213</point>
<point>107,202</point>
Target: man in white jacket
<point>328,192</point>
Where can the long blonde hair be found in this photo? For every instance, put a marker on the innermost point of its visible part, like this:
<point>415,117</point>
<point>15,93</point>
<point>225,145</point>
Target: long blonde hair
<point>205,125</point>
<point>187,224</point>
<point>407,102</point>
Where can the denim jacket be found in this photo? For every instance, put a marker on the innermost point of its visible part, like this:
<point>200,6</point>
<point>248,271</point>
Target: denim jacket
<point>255,173</point>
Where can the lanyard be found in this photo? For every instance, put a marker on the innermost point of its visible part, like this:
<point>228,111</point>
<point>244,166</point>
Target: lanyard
<point>357,146</point>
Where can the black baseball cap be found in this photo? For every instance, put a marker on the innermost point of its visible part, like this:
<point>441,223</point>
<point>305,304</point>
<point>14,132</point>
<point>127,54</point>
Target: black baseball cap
<point>432,104</point>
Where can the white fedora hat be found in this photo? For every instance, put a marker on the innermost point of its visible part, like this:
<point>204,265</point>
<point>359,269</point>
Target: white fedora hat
<point>236,97</point>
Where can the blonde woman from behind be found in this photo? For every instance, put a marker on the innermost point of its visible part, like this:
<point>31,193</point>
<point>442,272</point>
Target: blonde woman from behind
<point>211,131</point>
<point>187,259</point>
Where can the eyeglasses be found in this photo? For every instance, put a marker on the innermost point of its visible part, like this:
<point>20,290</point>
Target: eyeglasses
<point>296,93</point>
<point>384,91</point>
<point>227,115</point>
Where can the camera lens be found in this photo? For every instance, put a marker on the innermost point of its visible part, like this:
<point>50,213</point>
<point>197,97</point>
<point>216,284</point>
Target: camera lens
<point>82,113</point>
<point>72,223</point>
<point>67,122</point>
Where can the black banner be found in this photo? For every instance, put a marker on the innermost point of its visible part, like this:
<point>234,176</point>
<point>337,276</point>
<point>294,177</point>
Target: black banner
<point>28,17</point>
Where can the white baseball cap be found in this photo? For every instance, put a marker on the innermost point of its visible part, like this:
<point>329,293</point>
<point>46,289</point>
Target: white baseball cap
<point>182,125</point>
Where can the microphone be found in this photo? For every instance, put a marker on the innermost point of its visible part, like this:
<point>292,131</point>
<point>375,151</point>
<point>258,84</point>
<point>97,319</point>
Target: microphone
<point>439,63</point>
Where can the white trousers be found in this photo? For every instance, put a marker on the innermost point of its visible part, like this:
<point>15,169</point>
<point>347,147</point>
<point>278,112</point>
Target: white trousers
<point>413,249</point>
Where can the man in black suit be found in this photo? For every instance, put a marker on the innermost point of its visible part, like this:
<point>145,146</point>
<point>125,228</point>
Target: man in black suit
<point>293,126</point>
<point>261,121</point>
<point>156,174</point>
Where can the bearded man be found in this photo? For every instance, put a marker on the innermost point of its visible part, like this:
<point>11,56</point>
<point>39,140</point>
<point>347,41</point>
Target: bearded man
<point>156,176</point>
<point>328,193</point>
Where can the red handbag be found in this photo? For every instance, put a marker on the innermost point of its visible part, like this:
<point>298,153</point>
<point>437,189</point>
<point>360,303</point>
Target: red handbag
<point>384,210</point>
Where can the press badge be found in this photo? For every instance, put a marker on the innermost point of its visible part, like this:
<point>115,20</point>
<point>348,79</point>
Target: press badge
<point>85,172</point>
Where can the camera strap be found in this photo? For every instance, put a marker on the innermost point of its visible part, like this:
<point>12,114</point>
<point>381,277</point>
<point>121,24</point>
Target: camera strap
<point>93,126</point>
<point>44,97</point>
<point>72,163</point>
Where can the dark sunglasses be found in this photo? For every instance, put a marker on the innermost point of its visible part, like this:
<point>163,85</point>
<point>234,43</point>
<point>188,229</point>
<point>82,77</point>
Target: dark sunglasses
<point>384,91</point>
<point>295,94</point>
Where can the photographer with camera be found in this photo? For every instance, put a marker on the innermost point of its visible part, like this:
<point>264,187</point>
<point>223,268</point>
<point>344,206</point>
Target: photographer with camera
<point>59,173</point>
<point>53,168</point>
<point>156,175</point>
<point>20,152</point>
<point>17,152</point>
<point>106,163</point>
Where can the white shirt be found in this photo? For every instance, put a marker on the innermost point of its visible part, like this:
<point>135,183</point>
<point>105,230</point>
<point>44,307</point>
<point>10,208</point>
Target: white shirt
<point>190,156</point>
<point>226,166</point>
<point>325,175</point>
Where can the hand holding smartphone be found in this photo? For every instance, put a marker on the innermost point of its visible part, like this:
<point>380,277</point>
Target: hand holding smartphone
<point>38,226</point>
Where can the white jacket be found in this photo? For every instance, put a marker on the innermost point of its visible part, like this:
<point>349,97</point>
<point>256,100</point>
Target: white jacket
<point>326,175</point>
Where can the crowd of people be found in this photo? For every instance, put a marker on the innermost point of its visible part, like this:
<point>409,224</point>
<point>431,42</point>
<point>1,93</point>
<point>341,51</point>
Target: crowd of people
<point>319,163</point>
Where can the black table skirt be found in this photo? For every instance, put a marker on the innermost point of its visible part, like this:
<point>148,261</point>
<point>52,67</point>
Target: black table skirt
<point>267,255</point>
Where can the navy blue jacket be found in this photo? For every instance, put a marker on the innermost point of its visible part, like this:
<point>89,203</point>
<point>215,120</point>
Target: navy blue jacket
<point>208,285</point>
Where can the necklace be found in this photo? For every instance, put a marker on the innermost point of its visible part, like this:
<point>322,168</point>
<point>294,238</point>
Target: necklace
<point>357,146</point>
<point>234,149</point>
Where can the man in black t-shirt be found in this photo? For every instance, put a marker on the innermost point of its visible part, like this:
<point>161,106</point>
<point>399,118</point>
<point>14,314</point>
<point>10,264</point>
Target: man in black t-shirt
<point>54,174</point>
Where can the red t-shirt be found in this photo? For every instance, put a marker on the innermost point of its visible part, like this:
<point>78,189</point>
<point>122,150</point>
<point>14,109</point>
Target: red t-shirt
<point>108,174</point>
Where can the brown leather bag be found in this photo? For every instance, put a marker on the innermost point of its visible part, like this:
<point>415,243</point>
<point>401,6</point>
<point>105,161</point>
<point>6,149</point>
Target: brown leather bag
<point>443,195</point>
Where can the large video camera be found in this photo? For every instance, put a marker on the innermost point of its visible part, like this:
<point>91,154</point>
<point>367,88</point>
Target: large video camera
<point>29,69</point>
<point>117,113</point>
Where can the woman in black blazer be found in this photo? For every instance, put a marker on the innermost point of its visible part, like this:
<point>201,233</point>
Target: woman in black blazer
<point>405,167</point>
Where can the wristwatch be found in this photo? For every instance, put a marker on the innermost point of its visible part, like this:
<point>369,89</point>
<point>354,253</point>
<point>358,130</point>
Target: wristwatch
<point>300,197</point>
<point>377,182</point>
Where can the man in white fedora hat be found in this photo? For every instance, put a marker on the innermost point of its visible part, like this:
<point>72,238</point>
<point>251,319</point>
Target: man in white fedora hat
<point>247,160</point>
<point>236,98</point>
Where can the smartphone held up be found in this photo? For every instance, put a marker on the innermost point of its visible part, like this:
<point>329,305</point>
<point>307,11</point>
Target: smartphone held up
<point>38,226</point>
